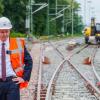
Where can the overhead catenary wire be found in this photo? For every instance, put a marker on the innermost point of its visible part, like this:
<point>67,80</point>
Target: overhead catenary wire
<point>56,17</point>
<point>58,14</point>
<point>42,6</point>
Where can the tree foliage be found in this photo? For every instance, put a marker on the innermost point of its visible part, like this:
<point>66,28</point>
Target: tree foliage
<point>16,11</point>
<point>56,26</point>
<point>1,7</point>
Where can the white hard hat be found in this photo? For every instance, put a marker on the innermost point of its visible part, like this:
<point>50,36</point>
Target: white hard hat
<point>5,23</point>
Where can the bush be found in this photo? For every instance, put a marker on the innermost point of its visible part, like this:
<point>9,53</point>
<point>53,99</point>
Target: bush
<point>14,34</point>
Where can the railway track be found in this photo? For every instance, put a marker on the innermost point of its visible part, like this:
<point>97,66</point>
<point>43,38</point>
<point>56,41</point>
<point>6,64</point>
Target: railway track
<point>96,64</point>
<point>65,85</point>
<point>87,69</point>
<point>67,82</point>
<point>70,86</point>
<point>44,74</point>
<point>40,89</point>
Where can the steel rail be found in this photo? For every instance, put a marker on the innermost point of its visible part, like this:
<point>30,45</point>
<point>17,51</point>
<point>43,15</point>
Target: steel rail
<point>40,74</point>
<point>95,89</point>
<point>92,64</point>
<point>51,81</point>
<point>77,52</point>
<point>61,55</point>
<point>49,89</point>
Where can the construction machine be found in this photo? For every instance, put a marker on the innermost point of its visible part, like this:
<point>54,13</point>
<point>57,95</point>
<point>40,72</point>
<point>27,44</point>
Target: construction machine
<point>92,33</point>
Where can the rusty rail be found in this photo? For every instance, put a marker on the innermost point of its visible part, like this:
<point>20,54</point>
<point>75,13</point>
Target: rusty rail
<point>40,74</point>
<point>92,63</point>
<point>90,85</point>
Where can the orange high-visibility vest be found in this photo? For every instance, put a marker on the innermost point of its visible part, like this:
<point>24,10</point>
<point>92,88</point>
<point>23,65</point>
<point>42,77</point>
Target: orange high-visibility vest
<point>17,58</point>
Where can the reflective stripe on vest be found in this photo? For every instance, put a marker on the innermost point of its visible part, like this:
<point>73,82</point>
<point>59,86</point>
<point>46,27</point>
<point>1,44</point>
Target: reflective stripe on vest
<point>18,69</point>
<point>20,50</point>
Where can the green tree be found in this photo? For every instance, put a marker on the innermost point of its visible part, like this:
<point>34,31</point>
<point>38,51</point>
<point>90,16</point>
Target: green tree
<point>39,19</point>
<point>1,7</point>
<point>16,11</point>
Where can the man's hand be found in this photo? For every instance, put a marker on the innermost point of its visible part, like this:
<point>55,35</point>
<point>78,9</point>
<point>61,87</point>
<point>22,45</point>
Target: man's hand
<point>18,80</point>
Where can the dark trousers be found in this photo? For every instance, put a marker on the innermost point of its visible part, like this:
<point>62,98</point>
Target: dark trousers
<point>9,90</point>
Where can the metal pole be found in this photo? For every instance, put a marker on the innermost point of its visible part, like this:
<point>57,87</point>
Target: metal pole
<point>89,5</point>
<point>42,6</point>
<point>48,25</point>
<point>27,23</point>
<point>72,18</point>
<point>85,12</point>
<point>78,22</point>
<point>56,15</point>
<point>31,18</point>
<point>63,22</point>
<point>92,12</point>
<point>56,6</point>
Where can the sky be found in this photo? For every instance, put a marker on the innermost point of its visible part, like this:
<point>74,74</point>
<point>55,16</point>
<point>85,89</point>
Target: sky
<point>89,8</point>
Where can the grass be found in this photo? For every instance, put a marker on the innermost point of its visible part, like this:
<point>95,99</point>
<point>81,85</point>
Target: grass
<point>59,37</point>
<point>14,34</point>
<point>46,37</point>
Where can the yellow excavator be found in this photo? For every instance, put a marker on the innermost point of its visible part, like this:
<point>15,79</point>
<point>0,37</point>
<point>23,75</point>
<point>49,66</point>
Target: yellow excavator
<point>92,33</point>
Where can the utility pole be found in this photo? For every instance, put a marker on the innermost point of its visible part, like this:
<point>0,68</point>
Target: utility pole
<point>89,5</point>
<point>92,12</point>
<point>63,28</point>
<point>31,18</point>
<point>85,12</point>
<point>48,25</point>
<point>27,24</point>
<point>56,14</point>
<point>56,6</point>
<point>72,17</point>
<point>28,18</point>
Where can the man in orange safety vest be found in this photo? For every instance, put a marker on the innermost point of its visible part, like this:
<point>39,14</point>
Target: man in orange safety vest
<point>15,63</point>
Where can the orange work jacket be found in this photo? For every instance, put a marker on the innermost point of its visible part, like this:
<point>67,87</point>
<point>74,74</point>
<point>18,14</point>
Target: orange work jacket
<point>17,58</point>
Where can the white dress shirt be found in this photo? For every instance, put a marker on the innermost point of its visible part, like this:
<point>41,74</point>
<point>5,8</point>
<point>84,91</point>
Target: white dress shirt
<point>9,69</point>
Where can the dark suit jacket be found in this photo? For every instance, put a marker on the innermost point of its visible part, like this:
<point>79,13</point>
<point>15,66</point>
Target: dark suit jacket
<point>28,65</point>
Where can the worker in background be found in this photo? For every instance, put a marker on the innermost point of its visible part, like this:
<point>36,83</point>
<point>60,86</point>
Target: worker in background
<point>15,63</point>
<point>87,31</point>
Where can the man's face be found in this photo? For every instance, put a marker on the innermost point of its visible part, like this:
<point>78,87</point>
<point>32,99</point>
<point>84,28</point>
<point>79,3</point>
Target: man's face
<point>4,34</point>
